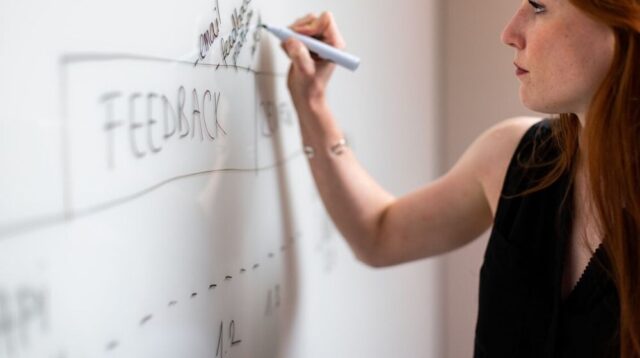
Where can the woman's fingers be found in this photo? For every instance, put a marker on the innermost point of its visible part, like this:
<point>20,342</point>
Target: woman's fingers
<point>309,74</point>
<point>300,56</point>
<point>327,27</point>
<point>323,27</point>
<point>304,20</point>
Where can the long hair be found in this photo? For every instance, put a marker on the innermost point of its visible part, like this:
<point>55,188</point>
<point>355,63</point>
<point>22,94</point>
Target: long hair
<point>611,143</point>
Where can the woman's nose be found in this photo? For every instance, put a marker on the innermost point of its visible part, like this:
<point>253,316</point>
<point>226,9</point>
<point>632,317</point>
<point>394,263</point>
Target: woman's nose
<point>512,35</point>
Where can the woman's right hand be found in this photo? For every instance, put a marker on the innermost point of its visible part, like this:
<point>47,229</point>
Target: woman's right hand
<point>308,74</point>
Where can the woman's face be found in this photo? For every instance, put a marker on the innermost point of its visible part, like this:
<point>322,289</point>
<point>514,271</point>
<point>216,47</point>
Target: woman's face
<point>565,55</point>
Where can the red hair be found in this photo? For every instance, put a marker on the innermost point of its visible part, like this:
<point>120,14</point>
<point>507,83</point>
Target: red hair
<point>611,142</point>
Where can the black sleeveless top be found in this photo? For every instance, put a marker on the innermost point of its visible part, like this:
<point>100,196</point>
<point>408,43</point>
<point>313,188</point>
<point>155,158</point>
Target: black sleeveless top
<point>521,311</point>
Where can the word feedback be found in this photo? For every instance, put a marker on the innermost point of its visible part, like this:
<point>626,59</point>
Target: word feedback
<point>149,120</point>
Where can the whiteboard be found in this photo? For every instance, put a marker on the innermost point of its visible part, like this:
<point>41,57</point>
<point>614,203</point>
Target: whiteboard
<point>155,198</point>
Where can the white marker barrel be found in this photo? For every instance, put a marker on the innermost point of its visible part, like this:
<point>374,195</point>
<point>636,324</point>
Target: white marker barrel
<point>322,49</point>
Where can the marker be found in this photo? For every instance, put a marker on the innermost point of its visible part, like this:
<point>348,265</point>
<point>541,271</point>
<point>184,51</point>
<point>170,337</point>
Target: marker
<point>322,49</point>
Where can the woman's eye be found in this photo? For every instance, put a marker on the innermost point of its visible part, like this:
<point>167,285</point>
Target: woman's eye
<point>537,7</point>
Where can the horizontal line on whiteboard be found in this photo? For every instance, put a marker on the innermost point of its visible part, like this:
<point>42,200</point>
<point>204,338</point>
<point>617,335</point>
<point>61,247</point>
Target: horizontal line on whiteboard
<point>71,58</point>
<point>46,221</point>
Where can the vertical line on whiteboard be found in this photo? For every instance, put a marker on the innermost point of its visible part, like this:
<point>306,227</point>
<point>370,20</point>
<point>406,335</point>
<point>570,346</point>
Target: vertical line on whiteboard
<point>64,138</point>
<point>255,120</point>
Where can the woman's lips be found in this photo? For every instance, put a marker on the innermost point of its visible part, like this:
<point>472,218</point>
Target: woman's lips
<point>520,71</point>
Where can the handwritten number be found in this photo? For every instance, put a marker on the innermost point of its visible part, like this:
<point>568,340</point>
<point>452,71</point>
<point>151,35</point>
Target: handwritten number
<point>232,334</point>
<point>274,300</point>
<point>220,352</point>
<point>220,349</point>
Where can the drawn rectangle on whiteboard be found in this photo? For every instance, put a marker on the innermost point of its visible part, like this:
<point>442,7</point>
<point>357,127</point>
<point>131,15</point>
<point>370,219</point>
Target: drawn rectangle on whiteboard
<point>134,123</point>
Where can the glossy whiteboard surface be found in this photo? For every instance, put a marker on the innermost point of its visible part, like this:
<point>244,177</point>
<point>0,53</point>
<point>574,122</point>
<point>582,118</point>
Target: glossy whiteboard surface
<point>155,201</point>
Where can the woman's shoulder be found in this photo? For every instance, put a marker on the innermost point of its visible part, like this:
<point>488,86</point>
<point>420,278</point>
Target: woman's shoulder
<point>510,131</point>
<point>495,149</point>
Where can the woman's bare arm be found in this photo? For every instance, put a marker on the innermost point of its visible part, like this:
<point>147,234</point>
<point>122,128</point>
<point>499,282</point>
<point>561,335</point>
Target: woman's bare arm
<point>383,230</point>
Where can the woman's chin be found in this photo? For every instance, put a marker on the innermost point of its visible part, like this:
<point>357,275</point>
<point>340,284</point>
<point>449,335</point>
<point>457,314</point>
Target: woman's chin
<point>536,105</point>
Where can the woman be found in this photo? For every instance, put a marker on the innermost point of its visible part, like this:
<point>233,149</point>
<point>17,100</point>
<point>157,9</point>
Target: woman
<point>561,275</point>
